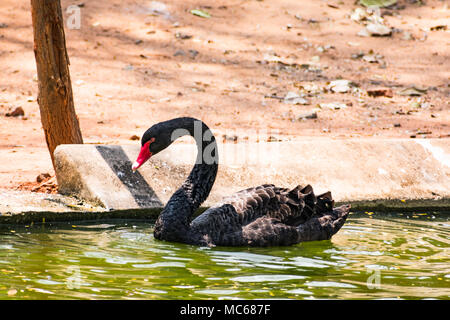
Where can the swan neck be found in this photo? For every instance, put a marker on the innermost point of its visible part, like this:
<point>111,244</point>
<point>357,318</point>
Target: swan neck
<point>173,223</point>
<point>202,176</point>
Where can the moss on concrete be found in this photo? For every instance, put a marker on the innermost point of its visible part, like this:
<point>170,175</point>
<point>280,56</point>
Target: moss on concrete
<point>394,205</point>
<point>151,214</point>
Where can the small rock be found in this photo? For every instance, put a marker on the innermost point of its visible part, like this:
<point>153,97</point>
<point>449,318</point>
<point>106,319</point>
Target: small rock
<point>233,138</point>
<point>134,137</point>
<point>413,91</point>
<point>42,177</point>
<point>372,58</point>
<point>359,15</point>
<point>165,99</point>
<point>325,48</point>
<point>356,56</point>
<point>353,44</point>
<point>380,93</point>
<point>182,36</point>
<point>340,86</point>
<point>273,139</point>
<point>294,98</point>
<point>376,30</point>
<point>193,53</point>
<point>309,89</point>
<point>314,59</point>
<point>16,113</point>
<point>157,8</point>
<point>333,105</point>
<point>179,53</point>
<point>312,115</point>
<point>200,13</point>
<point>271,57</point>
<point>439,27</point>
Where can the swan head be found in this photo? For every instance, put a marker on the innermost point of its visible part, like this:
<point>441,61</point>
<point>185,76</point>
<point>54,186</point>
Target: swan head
<point>155,139</point>
<point>144,155</point>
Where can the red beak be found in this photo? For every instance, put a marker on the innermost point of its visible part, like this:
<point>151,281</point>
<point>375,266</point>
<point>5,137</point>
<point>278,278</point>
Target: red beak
<point>143,156</point>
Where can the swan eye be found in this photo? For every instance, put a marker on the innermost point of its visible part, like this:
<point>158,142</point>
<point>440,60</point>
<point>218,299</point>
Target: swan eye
<point>149,143</point>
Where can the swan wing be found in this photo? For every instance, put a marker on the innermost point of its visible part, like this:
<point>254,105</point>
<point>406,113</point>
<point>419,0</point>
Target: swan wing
<point>291,207</point>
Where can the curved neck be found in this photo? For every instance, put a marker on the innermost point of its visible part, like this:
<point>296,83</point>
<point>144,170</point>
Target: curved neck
<point>174,220</point>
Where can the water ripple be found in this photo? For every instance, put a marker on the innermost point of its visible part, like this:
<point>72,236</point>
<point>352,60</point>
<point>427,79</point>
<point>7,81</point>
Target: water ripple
<point>371,258</point>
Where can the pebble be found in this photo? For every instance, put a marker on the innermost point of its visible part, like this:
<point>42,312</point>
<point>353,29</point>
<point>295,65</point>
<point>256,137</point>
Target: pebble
<point>312,115</point>
<point>42,177</point>
<point>16,113</point>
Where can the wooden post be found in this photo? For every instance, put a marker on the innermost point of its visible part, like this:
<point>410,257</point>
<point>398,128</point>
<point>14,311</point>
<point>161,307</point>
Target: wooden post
<point>55,99</point>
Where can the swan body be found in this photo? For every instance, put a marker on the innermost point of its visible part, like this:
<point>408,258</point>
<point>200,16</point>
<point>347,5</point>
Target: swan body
<point>265,215</point>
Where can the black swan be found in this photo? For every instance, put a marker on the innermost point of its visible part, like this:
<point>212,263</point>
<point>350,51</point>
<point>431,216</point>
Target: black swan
<point>261,216</point>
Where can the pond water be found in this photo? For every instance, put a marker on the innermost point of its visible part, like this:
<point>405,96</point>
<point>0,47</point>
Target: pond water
<point>374,256</point>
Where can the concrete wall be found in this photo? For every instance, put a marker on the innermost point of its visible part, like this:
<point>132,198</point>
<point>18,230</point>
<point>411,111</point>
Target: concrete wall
<point>353,170</point>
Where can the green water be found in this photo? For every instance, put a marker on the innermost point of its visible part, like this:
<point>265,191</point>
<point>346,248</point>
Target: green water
<point>373,256</point>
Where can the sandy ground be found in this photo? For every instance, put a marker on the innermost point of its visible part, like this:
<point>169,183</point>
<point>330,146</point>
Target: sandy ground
<point>134,63</point>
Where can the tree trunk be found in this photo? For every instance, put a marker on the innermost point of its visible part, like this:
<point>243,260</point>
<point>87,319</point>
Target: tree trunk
<point>55,99</point>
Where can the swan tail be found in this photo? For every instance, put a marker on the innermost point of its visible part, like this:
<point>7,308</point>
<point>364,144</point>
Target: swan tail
<point>266,231</point>
<point>325,202</point>
<point>306,204</point>
<point>321,203</point>
<point>325,226</point>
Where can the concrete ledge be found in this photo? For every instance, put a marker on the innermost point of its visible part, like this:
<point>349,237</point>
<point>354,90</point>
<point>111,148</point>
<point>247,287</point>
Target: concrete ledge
<point>354,170</point>
<point>48,215</point>
<point>17,202</point>
<point>372,175</point>
<point>7,220</point>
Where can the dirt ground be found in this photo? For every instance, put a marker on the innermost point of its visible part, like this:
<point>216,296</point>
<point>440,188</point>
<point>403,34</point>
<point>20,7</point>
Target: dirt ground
<point>134,63</point>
